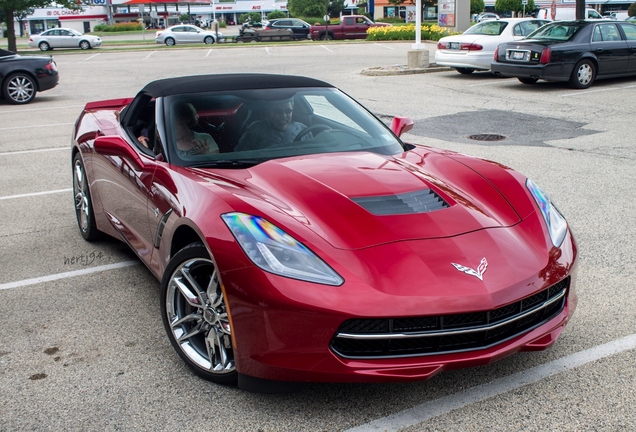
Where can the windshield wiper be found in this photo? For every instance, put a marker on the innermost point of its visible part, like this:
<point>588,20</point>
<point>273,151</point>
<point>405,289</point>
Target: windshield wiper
<point>228,163</point>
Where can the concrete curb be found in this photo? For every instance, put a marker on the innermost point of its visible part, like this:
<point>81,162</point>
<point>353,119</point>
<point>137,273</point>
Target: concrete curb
<point>402,70</point>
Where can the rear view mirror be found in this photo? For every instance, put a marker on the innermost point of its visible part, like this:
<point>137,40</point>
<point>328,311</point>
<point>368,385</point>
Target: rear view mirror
<point>400,125</point>
<point>116,146</point>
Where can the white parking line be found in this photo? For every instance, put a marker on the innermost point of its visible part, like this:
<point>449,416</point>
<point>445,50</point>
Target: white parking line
<point>33,281</point>
<point>43,109</point>
<point>326,48</point>
<point>148,56</point>
<point>437,407</point>
<point>267,50</point>
<point>579,93</point>
<point>11,153</point>
<point>34,126</point>
<point>35,194</point>
<point>93,56</point>
<point>209,52</point>
<point>385,46</point>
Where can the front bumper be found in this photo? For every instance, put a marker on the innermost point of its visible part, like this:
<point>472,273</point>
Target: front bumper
<point>548,72</point>
<point>284,329</point>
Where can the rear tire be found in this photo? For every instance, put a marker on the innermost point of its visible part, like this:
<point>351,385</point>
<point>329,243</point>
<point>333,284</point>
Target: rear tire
<point>83,202</point>
<point>528,80</point>
<point>327,36</point>
<point>19,88</point>
<point>583,75</point>
<point>465,71</point>
<point>44,46</point>
<point>169,41</point>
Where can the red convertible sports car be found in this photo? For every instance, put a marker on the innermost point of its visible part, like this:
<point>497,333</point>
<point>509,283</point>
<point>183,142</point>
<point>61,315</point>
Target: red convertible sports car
<point>298,239</point>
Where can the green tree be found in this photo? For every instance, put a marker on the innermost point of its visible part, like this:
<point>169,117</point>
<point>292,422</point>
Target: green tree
<point>477,6</point>
<point>513,6</point>
<point>315,8</point>
<point>276,14</point>
<point>13,8</point>
<point>307,8</point>
<point>631,11</point>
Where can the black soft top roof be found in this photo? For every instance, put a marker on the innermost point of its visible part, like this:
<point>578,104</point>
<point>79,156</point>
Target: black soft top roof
<point>242,81</point>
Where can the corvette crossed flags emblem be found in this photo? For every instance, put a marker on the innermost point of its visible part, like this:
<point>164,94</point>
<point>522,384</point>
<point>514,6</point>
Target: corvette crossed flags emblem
<point>479,273</point>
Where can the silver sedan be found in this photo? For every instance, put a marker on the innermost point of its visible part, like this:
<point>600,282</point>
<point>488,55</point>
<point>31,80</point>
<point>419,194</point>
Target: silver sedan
<point>63,38</point>
<point>186,33</point>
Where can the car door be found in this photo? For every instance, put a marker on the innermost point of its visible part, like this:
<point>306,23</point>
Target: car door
<point>178,34</point>
<point>191,34</point>
<point>67,39</point>
<point>52,37</point>
<point>610,49</point>
<point>123,186</point>
<point>629,32</point>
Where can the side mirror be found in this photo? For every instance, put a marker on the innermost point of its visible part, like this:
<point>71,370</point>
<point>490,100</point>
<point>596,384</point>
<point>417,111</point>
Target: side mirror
<point>400,125</point>
<point>116,146</point>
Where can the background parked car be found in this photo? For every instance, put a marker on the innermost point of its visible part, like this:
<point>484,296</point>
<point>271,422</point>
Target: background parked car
<point>21,77</point>
<point>63,38</point>
<point>487,16</point>
<point>298,26</point>
<point>186,33</point>
<point>474,49</point>
<point>575,51</point>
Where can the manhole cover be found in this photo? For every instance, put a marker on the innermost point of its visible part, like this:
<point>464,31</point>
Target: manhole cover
<point>486,137</point>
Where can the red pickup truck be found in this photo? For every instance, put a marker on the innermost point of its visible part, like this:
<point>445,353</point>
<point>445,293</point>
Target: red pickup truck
<point>350,27</point>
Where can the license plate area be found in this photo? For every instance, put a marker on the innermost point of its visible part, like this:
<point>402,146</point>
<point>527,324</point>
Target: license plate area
<point>455,45</point>
<point>518,55</point>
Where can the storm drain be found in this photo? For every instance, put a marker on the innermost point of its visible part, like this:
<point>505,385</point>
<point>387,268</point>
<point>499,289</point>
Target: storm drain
<point>487,137</point>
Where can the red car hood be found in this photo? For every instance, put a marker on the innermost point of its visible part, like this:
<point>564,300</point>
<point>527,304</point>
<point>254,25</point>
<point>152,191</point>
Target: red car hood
<point>319,191</point>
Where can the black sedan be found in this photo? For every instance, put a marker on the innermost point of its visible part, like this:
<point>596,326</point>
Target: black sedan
<point>578,52</point>
<point>22,77</point>
<point>298,26</point>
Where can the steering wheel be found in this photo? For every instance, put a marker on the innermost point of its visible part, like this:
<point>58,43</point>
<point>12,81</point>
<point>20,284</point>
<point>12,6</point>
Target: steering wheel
<point>311,130</point>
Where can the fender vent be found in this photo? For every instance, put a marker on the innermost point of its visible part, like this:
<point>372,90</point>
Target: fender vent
<point>422,201</point>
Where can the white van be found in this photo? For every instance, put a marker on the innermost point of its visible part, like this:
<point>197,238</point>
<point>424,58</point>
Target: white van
<point>567,13</point>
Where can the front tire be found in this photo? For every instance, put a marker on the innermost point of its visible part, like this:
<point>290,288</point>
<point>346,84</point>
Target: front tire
<point>169,41</point>
<point>209,40</point>
<point>19,88</point>
<point>83,203</point>
<point>194,312</point>
<point>465,71</point>
<point>85,45</point>
<point>583,75</point>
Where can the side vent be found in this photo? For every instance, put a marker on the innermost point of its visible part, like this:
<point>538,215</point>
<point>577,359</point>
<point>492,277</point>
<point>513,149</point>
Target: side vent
<point>422,201</point>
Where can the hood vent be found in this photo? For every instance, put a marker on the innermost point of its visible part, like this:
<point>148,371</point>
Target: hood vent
<point>422,201</point>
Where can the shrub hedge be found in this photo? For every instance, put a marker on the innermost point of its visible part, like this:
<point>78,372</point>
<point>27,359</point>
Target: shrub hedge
<point>119,27</point>
<point>407,32</point>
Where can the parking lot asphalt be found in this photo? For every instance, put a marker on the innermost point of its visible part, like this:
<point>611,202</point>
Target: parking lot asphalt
<point>82,346</point>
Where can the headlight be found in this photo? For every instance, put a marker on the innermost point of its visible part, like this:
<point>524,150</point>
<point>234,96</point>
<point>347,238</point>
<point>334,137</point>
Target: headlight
<point>275,251</point>
<point>557,226</point>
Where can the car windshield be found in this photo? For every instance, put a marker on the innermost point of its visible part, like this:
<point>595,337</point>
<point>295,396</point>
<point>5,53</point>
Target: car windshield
<point>492,28</point>
<point>241,128</point>
<point>556,31</point>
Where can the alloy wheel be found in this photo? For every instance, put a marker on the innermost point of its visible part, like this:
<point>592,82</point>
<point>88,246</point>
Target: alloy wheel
<point>197,316</point>
<point>80,188</point>
<point>20,89</point>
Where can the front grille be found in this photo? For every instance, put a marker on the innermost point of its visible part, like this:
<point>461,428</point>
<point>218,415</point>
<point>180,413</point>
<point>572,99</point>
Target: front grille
<point>413,336</point>
<point>421,201</point>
